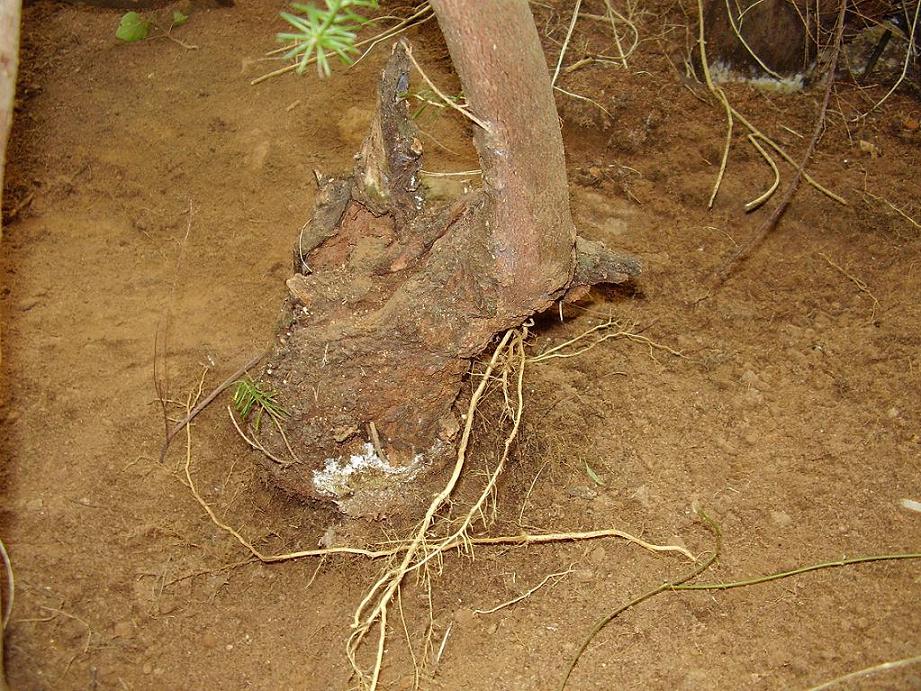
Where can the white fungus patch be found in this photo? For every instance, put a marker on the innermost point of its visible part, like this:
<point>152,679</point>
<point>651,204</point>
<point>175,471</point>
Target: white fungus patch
<point>720,72</point>
<point>334,478</point>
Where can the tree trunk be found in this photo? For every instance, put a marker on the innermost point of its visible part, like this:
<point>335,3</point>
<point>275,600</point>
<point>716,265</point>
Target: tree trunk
<point>9,61</point>
<point>392,297</point>
<point>498,57</point>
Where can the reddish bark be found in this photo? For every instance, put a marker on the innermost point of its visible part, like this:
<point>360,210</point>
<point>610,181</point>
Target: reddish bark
<point>497,54</point>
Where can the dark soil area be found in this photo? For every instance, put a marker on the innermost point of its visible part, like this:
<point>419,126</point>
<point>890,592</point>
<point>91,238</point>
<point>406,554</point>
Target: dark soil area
<point>152,190</point>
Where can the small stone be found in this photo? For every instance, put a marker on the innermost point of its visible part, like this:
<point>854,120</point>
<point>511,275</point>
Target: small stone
<point>893,412</point>
<point>229,646</point>
<point>123,629</point>
<point>582,492</point>
<point>209,640</point>
<point>749,377</point>
<point>584,575</point>
<point>492,628</point>
<point>781,519</point>
<point>642,496</point>
<point>342,434</point>
<point>464,617</point>
<point>598,556</point>
<point>750,399</point>
<point>147,668</point>
<point>725,446</point>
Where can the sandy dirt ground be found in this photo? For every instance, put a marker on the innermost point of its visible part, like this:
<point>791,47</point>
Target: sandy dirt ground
<point>151,189</point>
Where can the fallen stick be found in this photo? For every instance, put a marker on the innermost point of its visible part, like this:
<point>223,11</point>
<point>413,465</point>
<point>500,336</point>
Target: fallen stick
<point>181,425</point>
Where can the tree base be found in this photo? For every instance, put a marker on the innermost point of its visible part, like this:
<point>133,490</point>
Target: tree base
<point>390,301</point>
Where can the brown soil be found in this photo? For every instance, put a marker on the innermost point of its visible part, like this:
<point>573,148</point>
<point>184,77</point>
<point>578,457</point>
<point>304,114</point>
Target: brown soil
<point>153,187</point>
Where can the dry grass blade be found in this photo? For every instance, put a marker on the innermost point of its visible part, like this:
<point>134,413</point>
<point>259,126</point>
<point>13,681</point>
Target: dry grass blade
<point>733,114</point>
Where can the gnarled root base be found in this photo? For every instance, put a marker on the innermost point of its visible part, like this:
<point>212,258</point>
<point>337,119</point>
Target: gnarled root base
<point>390,301</point>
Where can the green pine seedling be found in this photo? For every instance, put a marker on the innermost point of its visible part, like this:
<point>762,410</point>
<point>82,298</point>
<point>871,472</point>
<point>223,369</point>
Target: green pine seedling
<point>250,398</point>
<point>324,32</point>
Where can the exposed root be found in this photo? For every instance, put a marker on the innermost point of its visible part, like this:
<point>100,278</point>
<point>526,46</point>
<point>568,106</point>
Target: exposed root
<point>372,609</point>
<point>182,424</point>
<point>760,199</point>
<point>6,608</point>
<point>668,585</point>
<point>425,549</point>
<point>909,53</point>
<point>682,584</point>
<point>771,221</point>
<point>868,671</point>
<point>732,114</point>
<point>254,443</point>
<point>448,101</point>
<point>912,222</point>
<point>528,593</point>
<point>572,26</point>
<point>609,330</point>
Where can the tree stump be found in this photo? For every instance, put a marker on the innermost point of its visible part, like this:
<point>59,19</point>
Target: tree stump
<point>391,299</point>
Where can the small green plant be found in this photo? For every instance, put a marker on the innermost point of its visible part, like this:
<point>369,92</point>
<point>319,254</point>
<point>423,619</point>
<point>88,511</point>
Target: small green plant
<point>593,475</point>
<point>250,398</point>
<point>321,32</point>
<point>133,27</point>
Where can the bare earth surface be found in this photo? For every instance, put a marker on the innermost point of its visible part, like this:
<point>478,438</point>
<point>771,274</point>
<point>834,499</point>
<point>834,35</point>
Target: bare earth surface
<point>153,188</point>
